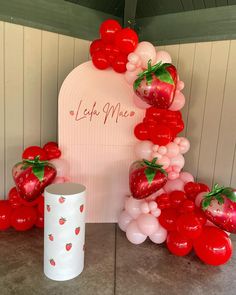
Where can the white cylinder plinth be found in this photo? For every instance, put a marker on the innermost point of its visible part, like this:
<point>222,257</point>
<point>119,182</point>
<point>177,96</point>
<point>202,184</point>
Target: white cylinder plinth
<point>64,230</point>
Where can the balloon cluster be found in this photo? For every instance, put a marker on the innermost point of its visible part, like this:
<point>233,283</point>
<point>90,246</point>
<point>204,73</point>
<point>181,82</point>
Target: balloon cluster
<point>40,167</point>
<point>113,47</point>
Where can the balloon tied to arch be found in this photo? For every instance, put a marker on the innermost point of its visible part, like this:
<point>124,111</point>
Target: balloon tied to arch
<point>165,204</point>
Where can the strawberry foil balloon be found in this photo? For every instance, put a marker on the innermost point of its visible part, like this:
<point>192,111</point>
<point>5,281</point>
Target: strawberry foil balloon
<point>156,86</point>
<point>219,206</point>
<point>32,176</point>
<point>145,178</point>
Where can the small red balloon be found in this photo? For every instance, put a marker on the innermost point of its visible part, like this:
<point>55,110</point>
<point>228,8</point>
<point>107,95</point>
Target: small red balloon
<point>140,131</point>
<point>100,60</point>
<point>14,198</point>
<point>5,214</point>
<point>204,187</point>
<point>52,150</point>
<point>213,246</point>
<point>108,30</point>
<point>192,189</point>
<point>126,40</point>
<point>187,206</point>
<point>163,201</point>
<point>178,244</point>
<point>119,64</point>
<point>41,205</point>
<point>160,134</point>
<point>168,218</point>
<point>33,151</point>
<point>23,218</point>
<point>177,198</point>
<point>95,46</point>
<point>189,226</point>
<point>200,215</point>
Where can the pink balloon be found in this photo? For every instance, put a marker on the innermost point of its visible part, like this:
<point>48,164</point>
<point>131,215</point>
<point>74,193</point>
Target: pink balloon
<point>177,161</point>
<point>174,185</point>
<point>130,67</point>
<point>186,177</point>
<point>134,58</point>
<point>62,167</point>
<point>156,213</point>
<point>144,208</point>
<point>146,51</point>
<point>172,150</point>
<point>132,206</point>
<point>180,85</point>
<point>184,145</point>
<point>162,150</point>
<point>152,205</point>
<point>163,56</point>
<point>199,198</point>
<point>133,233</point>
<point>178,102</point>
<point>130,77</point>
<point>143,150</point>
<point>164,161</point>
<point>173,175</point>
<point>147,223</point>
<point>159,236</point>
<point>140,103</point>
<point>124,220</point>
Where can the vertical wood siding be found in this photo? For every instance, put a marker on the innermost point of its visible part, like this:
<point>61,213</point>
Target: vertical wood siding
<point>34,63</point>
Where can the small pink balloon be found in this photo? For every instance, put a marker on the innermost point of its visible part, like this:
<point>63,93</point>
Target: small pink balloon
<point>133,233</point>
<point>162,150</point>
<point>140,103</point>
<point>130,67</point>
<point>155,195</point>
<point>159,236</point>
<point>174,185</point>
<point>61,166</point>
<point>156,155</point>
<point>132,206</point>
<point>130,77</point>
<point>143,150</point>
<point>134,58</point>
<point>186,177</point>
<point>173,175</point>
<point>184,145</point>
<point>146,51</point>
<point>172,150</point>
<point>147,223</point>
<point>59,179</point>
<point>164,161</point>
<point>156,213</point>
<point>178,102</point>
<point>123,220</point>
<point>163,56</point>
<point>152,205</point>
<point>180,85</point>
<point>176,169</point>
<point>144,207</point>
<point>199,198</point>
<point>177,161</point>
<point>155,148</point>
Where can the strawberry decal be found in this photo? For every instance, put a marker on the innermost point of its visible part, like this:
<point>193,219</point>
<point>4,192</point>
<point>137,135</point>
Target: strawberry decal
<point>68,246</point>
<point>81,208</point>
<point>48,208</point>
<point>62,200</point>
<point>219,206</point>
<point>51,238</point>
<point>52,262</point>
<point>32,177</point>
<point>77,230</point>
<point>145,178</point>
<point>62,221</point>
<point>156,85</point>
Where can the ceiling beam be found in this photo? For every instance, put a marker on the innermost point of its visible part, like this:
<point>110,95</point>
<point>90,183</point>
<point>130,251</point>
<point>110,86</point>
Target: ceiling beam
<point>130,13</point>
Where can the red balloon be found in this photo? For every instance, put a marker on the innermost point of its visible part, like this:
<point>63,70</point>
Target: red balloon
<point>108,30</point>
<point>140,131</point>
<point>95,46</point>
<point>168,218</point>
<point>126,40</point>
<point>204,187</point>
<point>160,134</point>
<point>156,114</point>
<point>14,198</point>
<point>177,198</point>
<point>192,189</point>
<point>187,206</point>
<point>41,205</point>
<point>119,64</point>
<point>178,244</point>
<point>163,201</point>
<point>100,60</point>
<point>200,215</point>
<point>213,246</point>
<point>5,214</point>
<point>33,151</point>
<point>189,226</point>
<point>52,150</point>
<point>40,221</point>
<point>23,218</point>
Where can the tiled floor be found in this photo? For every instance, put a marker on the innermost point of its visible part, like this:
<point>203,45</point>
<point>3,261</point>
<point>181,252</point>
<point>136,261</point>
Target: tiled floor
<point>112,266</point>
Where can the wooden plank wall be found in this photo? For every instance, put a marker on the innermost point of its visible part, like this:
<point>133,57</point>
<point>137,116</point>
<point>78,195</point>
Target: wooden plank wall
<point>34,63</point>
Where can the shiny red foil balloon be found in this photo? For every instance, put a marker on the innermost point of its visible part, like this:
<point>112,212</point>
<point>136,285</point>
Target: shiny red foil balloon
<point>5,214</point>
<point>108,30</point>
<point>213,246</point>
<point>178,244</point>
<point>23,218</point>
